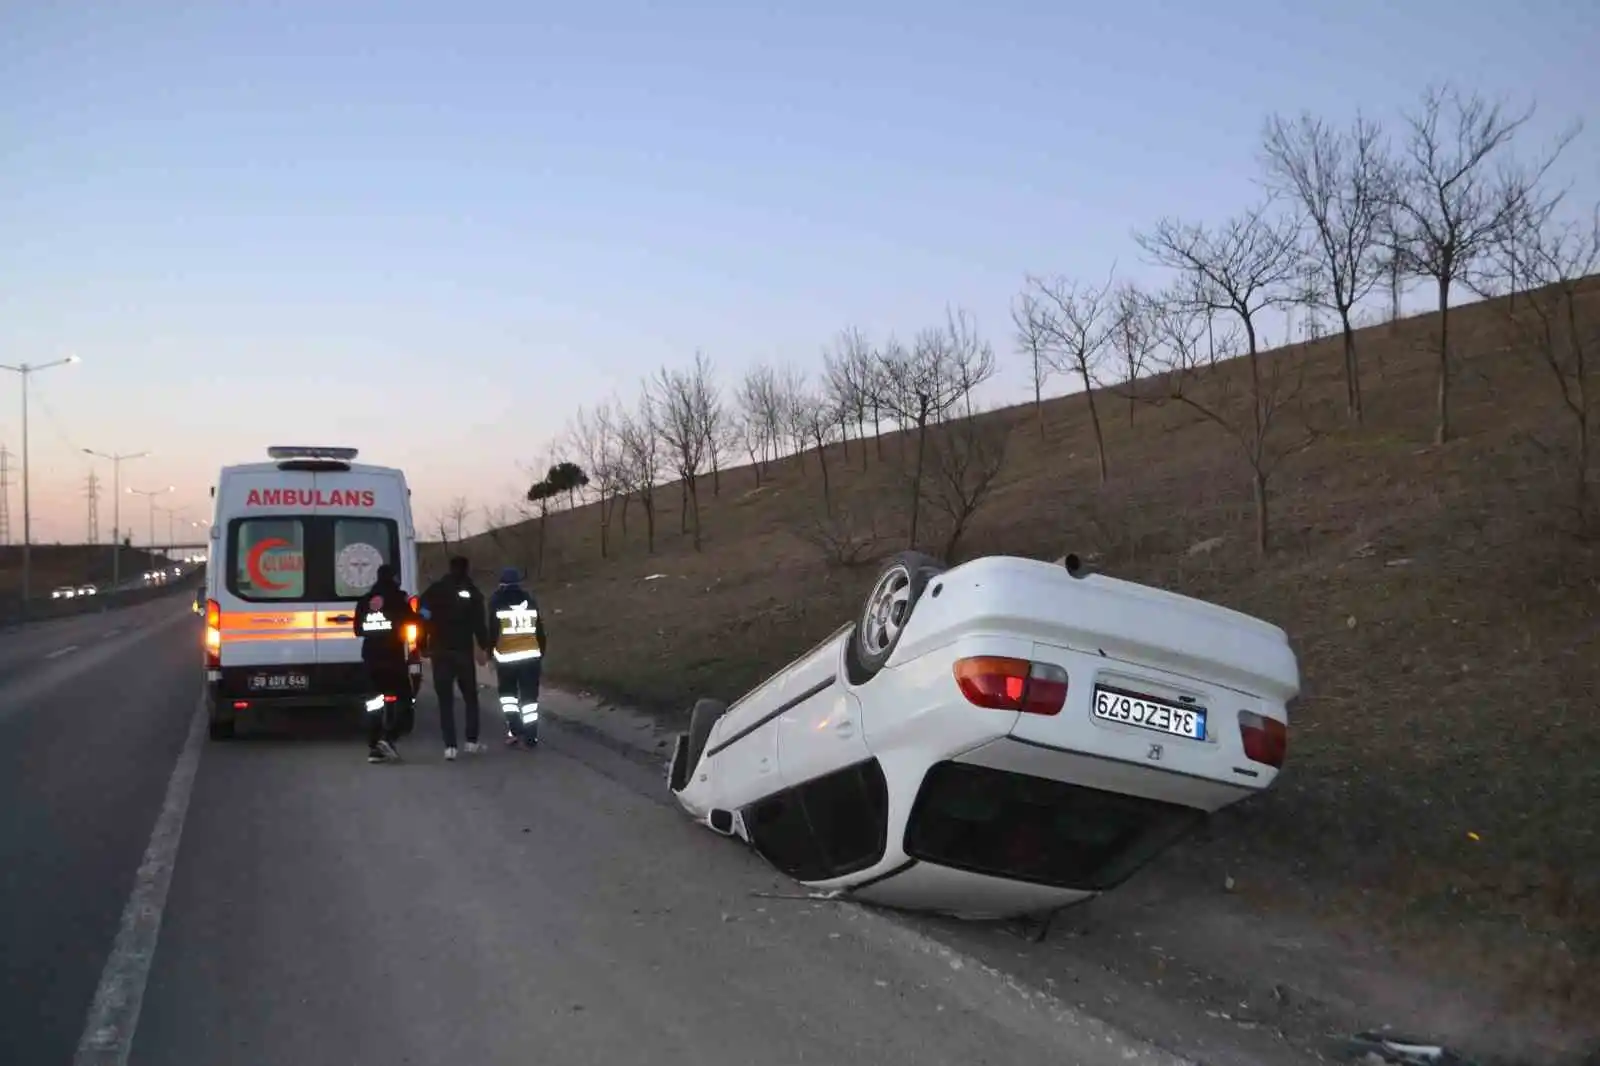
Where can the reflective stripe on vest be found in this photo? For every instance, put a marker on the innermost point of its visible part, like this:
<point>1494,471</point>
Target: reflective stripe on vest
<point>519,634</point>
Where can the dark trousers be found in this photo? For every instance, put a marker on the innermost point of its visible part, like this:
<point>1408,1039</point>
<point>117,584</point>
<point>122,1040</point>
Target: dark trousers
<point>519,697</point>
<point>452,670</point>
<point>384,714</point>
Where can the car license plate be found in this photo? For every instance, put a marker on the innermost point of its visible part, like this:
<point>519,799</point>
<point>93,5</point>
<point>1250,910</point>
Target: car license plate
<point>1146,712</point>
<point>279,682</point>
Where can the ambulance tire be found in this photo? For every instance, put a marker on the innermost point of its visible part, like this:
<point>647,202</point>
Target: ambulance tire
<point>220,730</point>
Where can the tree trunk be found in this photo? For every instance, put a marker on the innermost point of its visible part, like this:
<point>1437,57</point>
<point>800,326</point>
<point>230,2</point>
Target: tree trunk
<point>1258,485</point>
<point>827,490</point>
<point>683,504</point>
<point>1441,432</point>
<point>1352,371</point>
<point>647,501</point>
<point>694,502</point>
<point>916,479</point>
<point>1094,419</point>
<point>716,474</point>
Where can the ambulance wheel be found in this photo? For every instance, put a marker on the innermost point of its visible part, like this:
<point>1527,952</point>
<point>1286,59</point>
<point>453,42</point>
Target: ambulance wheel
<point>218,725</point>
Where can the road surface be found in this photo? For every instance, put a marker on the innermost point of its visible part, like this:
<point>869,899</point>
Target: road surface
<point>293,905</point>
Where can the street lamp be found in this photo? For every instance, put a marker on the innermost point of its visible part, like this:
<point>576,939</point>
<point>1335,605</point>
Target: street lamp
<point>172,514</point>
<point>116,510</point>
<point>23,370</point>
<point>152,495</point>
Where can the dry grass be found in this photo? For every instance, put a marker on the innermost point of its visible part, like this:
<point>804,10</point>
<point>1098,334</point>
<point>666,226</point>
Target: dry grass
<point>1444,771</point>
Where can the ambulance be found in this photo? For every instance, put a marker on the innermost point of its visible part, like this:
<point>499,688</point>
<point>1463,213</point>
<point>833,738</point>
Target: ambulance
<point>295,541</point>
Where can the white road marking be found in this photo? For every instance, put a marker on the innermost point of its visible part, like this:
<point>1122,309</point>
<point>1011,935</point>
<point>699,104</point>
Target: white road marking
<point>114,1014</point>
<point>59,652</point>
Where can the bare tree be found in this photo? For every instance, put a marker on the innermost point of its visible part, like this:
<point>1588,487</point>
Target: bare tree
<point>793,428</point>
<point>757,402</point>
<point>967,455</point>
<point>640,437</point>
<point>594,437</point>
<point>1245,266</point>
<point>1075,321</point>
<point>1341,180</point>
<point>1554,262</point>
<point>1132,337</point>
<point>847,372</point>
<point>1032,342</point>
<point>1263,414</point>
<point>457,514</point>
<point>817,412</point>
<point>680,426</point>
<point>1450,206</point>
<point>920,386</point>
<point>712,414</point>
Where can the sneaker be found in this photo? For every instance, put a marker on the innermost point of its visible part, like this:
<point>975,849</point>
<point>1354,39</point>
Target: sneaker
<point>449,755</point>
<point>475,748</point>
<point>387,750</point>
<point>375,756</point>
<point>511,740</point>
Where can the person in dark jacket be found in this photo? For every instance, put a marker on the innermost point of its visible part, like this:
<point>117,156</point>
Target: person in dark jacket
<point>381,618</point>
<point>516,639</point>
<point>453,610</point>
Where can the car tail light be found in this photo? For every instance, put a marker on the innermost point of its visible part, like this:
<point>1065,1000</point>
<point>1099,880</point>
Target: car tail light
<point>1266,740</point>
<point>1006,684</point>
<point>213,634</point>
<point>240,705</point>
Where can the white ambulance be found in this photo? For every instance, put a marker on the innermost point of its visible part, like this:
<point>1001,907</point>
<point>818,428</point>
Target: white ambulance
<point>294,543</point>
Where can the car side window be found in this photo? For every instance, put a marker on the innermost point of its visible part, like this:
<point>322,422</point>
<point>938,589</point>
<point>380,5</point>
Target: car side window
<point>781,833</point>
<point>849,814</point>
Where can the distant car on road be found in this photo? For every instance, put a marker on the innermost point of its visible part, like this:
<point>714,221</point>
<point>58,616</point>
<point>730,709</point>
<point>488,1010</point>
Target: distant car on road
<point>88,590</point>
<point>1003,737</point>
<point>64,592</point>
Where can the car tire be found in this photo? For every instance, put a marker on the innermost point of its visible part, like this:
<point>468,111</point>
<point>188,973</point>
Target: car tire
<point>701,719</point>
<point>895,592</point>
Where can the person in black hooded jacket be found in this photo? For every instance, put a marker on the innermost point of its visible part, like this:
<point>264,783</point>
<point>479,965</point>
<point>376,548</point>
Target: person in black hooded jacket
<point>381,618</point>
<point>454,611</point>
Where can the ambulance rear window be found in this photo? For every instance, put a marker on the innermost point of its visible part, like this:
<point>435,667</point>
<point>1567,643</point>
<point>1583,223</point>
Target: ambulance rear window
<point>269,559</point>
<point>308,558</point>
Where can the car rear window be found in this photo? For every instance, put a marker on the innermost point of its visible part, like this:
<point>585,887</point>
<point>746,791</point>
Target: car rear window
<point>308,558</point>
<point>1032,829</point>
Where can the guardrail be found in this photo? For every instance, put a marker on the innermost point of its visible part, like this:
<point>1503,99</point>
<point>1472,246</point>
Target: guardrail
<point>12,613</point>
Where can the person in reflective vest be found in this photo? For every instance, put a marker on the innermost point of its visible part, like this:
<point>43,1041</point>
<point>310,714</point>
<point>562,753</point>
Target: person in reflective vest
<point>381,618</point>
<point>517,642</point>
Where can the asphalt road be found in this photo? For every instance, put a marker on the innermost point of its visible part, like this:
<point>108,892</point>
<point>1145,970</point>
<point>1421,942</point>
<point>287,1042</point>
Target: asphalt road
<point>293,905</point>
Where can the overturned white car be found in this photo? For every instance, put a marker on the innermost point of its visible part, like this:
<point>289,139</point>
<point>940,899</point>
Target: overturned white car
<point>1001,738</point>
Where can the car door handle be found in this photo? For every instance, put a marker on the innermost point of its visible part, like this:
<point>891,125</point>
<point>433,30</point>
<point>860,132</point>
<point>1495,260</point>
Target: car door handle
<point>343,619</point>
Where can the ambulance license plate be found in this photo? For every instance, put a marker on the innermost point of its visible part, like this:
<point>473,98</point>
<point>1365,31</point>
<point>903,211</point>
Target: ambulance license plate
<point>279,682</point>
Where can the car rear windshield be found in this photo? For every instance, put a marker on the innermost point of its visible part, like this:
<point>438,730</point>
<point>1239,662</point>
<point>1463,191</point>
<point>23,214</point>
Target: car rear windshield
<point>1027,828</point>
<point>308,558</point>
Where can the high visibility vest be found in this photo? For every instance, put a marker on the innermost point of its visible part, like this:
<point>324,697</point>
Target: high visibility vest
<point>519,633</point>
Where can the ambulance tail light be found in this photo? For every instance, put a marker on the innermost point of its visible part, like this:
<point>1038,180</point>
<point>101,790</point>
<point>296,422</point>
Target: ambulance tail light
<point>213,635</point>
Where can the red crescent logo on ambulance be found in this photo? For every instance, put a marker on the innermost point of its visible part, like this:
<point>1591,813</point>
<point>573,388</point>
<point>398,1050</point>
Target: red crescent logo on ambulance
<point>252,563</point>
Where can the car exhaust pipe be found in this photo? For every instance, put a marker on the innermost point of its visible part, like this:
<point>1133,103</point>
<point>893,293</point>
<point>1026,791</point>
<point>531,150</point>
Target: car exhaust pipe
<point>1075,566</point>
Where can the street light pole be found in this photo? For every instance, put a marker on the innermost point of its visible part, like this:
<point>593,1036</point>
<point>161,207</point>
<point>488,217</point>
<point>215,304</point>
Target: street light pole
<point>151,495</point>
<point>116,510</point>
<point>23,370</point>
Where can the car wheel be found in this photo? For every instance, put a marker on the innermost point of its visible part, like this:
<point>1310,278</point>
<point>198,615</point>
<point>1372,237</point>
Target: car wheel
<point>888,608</point>
<point>701,719</point>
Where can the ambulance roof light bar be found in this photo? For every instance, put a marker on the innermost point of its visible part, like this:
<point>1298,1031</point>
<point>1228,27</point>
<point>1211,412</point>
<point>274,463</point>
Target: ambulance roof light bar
<point>302,451</point>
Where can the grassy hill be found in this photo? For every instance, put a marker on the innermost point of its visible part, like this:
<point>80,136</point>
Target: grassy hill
<point>1444,767</point>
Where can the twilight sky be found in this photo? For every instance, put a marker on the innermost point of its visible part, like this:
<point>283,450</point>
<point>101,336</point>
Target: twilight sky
<point>433,231</point>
